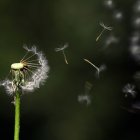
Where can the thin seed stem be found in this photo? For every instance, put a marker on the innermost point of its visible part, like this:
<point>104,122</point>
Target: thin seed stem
<point>24,57</point>
<point>29,70</point>
<point>28,58</point>
<point>98,71</point>
<point>17,116</point>
<point>34,64</point>
<point>65,58</point>
<point>32,60</point>
<point>100,34</point>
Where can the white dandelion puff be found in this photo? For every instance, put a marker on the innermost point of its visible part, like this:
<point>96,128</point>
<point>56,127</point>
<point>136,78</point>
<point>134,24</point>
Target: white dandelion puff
<point>28,74</point>
<point>62,49</point>
<point>129,89</point>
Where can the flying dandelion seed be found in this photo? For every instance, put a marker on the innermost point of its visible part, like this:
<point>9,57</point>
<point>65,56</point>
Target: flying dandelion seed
<point>135,38</point>
<point>104,29</point>
<point>118,15</point>
<point>135,51</point>
<point>98,70</point>
<point>129,89</point>
<point>136,22</point>
<point>109,4</point>
<point>102,68</point>
<point>84,99</point>
<point>29,73</point>
<point>62,49</point>
<point>111,40</point>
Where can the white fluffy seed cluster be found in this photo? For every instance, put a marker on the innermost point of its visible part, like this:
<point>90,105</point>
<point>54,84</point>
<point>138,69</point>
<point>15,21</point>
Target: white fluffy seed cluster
<point>40,75</point>
<point>37,78</point>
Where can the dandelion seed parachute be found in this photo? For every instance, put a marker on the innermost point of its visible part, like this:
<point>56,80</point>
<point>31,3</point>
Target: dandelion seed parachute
<point>84,98</point>
<point>118,15</point>
<point>62,48</point>
<point>38,76</point>
<point>111,40</point>
<point>129,89</point>
<point>135,52</point>
<point>109,4</point>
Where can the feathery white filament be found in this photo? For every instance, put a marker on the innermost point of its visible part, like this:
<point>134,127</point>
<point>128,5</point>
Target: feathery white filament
<point>40,75</point>
<point>37,77</point>
<point>8,85</point>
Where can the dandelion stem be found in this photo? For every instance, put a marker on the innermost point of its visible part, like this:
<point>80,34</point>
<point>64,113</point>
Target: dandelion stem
<point>17,116</point>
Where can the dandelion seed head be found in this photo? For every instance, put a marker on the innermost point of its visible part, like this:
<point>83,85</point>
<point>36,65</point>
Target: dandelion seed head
<point>37,76</point>
<point>40,75</point>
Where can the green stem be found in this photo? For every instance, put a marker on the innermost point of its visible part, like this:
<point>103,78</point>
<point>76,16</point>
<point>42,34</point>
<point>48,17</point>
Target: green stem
<point>17,116</point>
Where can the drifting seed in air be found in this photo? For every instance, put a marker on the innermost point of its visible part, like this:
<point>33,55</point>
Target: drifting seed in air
<point>62,49</point>
<point>104,28</point>
<point>129,89</point>
<point>98,70</point>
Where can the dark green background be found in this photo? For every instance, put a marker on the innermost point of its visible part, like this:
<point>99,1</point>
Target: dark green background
<point>53,112</point>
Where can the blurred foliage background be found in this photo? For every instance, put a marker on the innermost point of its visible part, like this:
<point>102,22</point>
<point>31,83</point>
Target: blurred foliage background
<point>53,111</point>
